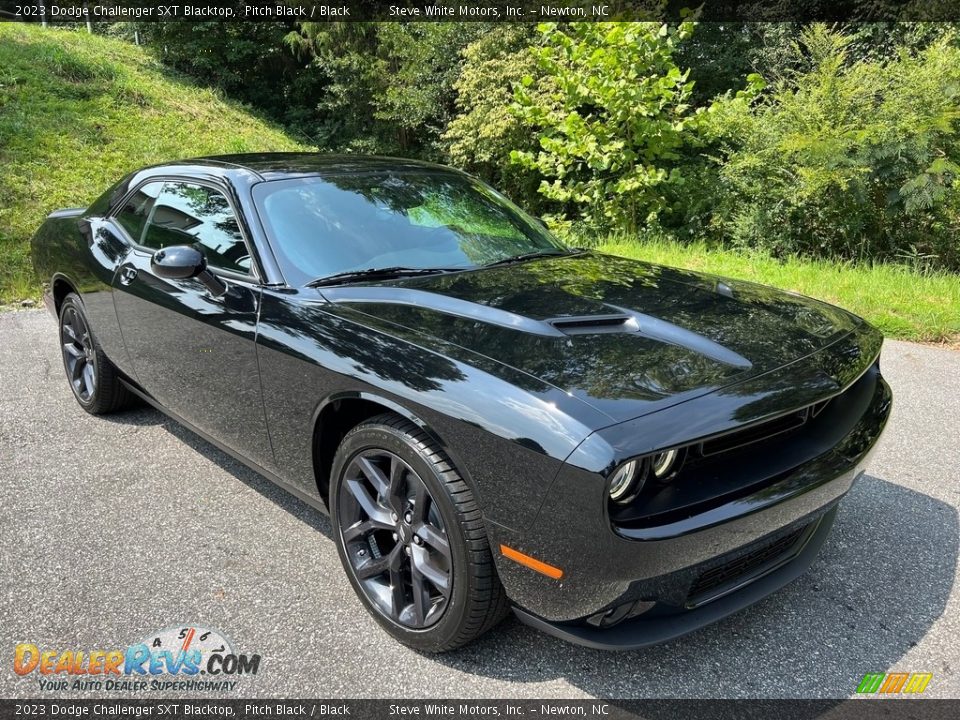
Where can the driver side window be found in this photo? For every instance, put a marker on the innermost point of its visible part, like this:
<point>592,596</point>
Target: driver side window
<point>191,214</point>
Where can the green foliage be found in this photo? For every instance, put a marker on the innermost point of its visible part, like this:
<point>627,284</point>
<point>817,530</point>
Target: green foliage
<point>225,55</point>
<point>721,55</point>
<point>77,112</point>
<point>485,130</point>
<point>617,114</point>
<point>386,87</point>
<point>852,158</point>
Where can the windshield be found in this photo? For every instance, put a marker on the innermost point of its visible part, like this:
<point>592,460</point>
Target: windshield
<point>343,223</point>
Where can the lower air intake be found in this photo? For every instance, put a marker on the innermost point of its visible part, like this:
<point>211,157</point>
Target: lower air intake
<point>712,583</point>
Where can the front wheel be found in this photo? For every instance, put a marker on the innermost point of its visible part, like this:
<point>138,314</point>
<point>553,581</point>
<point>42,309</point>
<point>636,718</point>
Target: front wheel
<point>411,538</point>
<point>91,375</point>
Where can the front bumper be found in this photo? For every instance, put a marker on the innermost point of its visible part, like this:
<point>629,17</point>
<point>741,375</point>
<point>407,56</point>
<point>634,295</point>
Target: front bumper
<point>660,582</point>
<point>660,624</point>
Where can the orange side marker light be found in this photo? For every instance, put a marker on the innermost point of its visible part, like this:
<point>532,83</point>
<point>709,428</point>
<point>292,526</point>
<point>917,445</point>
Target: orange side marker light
<point>541,567</point>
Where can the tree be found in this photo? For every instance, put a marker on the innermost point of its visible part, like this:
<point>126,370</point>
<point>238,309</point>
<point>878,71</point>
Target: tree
<point>484,131</point>
<point>853,158</point>
<point>617,115</point>
<point>245,60</point>
<point>388,86</point>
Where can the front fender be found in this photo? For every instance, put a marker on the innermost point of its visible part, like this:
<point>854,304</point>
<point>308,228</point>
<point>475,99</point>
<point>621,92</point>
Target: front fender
<point>508,433</point>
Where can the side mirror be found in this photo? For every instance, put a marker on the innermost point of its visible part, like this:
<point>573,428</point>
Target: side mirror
<point>180,262</point>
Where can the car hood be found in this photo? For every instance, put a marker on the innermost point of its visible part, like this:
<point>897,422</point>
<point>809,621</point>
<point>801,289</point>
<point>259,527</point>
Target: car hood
<point>624,336</point>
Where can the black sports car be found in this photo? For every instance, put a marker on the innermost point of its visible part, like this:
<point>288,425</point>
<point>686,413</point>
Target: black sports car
<point>619,452</point>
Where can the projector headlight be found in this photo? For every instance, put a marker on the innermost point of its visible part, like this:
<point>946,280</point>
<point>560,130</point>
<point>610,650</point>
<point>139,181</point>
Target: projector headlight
<point>629,479</point>
<point>662,463</point>
<point>626,481</point>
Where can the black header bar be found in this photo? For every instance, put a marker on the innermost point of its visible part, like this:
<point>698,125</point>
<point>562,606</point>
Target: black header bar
<point>477,11</point>
<point>239,709</point>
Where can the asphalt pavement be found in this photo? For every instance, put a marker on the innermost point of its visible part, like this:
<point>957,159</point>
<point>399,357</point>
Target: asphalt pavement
<point>114,528</point>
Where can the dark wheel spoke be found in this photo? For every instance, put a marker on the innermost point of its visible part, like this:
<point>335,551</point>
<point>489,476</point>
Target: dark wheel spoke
<point>69,336</point>
<point>77,369</point>
<point>421,597</point>
<point>88,381</point>
<point>375,567</point>
<point>398,472</point>
<point>370,506</point>
<point>363,528</point>
<point>375,476</point>
<point>420,502</point>
<point>426,566</point>
<point>435,539</point>
<point>76,324</point>
<point>398,591</point>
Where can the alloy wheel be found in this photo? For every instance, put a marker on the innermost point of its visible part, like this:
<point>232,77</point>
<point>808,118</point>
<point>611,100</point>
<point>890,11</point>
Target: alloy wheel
<point>395,539</point>
<point>79,354</point>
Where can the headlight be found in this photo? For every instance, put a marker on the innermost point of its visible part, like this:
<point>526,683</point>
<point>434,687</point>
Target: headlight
<point>626,482</point>
<point>662,463</point>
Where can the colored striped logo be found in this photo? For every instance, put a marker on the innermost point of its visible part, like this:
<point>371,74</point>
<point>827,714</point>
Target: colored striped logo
<point>894,683</point>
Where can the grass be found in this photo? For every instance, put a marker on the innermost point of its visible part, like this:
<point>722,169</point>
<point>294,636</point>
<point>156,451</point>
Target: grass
<point>78,112</point>
<point>900,301</point>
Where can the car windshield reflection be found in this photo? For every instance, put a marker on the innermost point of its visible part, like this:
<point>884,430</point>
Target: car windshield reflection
<point>324,227</point>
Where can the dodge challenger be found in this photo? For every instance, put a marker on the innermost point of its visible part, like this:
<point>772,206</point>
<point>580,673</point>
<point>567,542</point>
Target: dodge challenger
<point>617,452</point>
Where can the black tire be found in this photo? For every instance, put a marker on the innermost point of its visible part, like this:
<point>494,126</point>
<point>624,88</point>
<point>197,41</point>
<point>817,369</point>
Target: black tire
<point>90,374</point>
<point>407,459</point>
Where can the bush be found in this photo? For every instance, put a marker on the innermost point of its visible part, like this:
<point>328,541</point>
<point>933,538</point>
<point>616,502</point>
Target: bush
<point>849,159</point>
<point>614,121</point>
<point>485,130</point>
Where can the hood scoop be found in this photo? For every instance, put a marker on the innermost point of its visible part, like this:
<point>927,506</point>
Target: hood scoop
<point>594,324</point>
<point>628,321</point>
<point>622,320</point>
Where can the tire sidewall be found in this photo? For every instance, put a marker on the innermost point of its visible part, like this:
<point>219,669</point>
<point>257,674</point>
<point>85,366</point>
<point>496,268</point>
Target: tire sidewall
<point>382,437</point>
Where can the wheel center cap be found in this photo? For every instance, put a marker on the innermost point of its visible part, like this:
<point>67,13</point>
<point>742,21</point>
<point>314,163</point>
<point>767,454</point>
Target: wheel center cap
<point>404,533</point>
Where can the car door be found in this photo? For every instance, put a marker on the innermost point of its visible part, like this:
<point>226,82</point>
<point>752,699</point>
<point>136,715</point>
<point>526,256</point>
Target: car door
<point>191,351</point>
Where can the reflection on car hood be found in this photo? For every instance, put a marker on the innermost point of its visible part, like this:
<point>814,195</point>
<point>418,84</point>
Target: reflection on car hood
<point>624,336</point>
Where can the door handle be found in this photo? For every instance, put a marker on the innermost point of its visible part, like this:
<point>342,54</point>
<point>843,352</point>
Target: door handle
<point>128,274</point>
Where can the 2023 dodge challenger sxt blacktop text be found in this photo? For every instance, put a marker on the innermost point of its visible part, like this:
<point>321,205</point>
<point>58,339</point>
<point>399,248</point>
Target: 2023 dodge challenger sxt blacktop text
<point>619,452</point>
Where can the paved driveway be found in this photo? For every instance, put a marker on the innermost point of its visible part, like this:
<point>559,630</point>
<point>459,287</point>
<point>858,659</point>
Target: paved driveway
<point>113,528</point>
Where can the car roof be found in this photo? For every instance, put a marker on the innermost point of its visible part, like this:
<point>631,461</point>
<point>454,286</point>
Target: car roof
<point>251,168</point>
<point>274,166</point>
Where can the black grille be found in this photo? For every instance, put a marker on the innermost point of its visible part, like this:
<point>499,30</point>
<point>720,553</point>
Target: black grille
<point>725,574</point>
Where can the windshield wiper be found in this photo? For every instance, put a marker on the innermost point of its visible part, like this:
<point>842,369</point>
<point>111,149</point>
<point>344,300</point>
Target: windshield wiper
<point>386,273</point>
<point>531,256</point>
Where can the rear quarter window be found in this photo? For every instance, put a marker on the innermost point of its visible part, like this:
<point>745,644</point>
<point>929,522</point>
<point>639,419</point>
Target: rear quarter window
<point>135,212</point>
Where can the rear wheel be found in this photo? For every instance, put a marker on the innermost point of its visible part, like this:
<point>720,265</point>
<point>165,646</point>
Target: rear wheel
<point>91,375</point>
<point>411,537</point>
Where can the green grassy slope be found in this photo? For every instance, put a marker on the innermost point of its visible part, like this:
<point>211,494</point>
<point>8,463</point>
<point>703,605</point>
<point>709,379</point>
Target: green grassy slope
<point>901,302</point>
<point>77,112</point>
